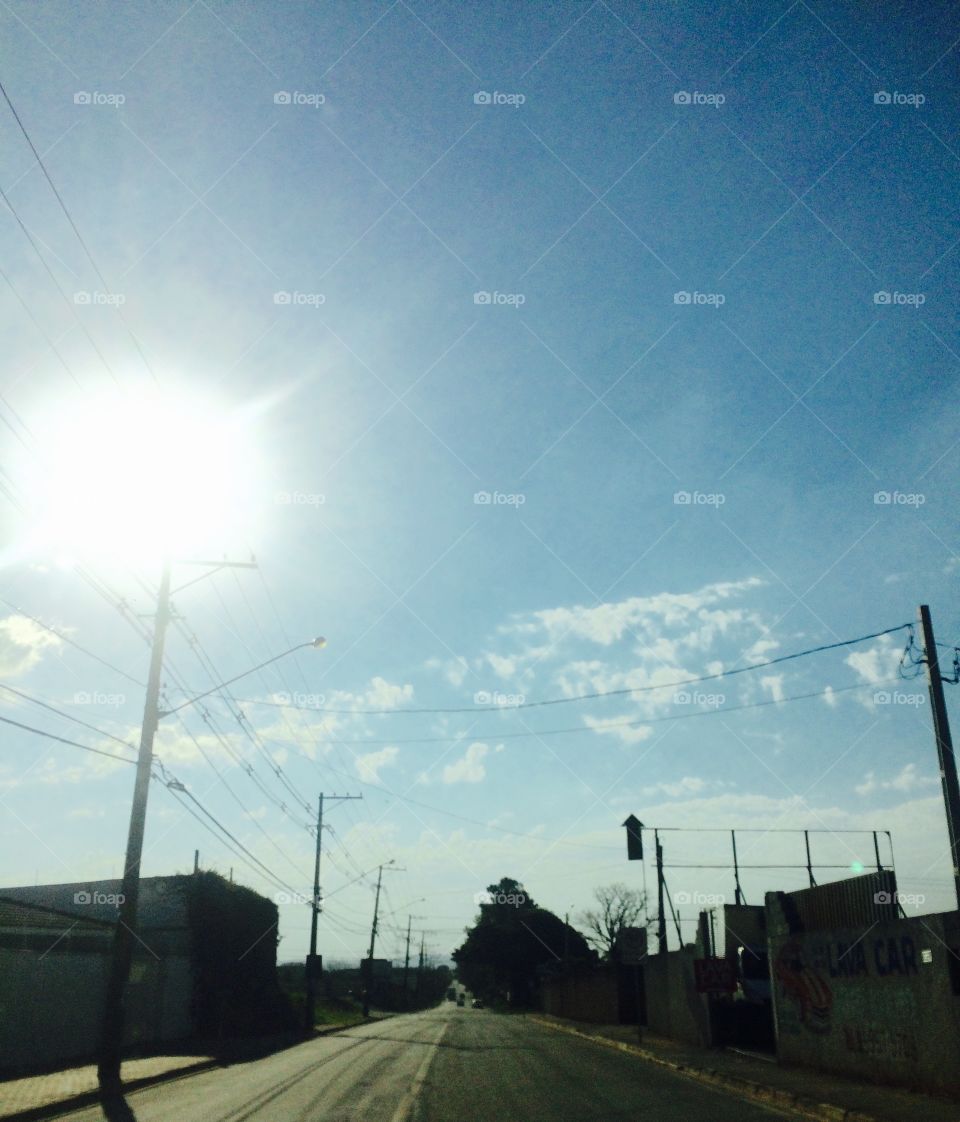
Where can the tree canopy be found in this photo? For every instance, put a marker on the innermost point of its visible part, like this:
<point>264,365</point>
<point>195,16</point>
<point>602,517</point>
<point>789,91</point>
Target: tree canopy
<point>513,943</point>
<point>618,906</point>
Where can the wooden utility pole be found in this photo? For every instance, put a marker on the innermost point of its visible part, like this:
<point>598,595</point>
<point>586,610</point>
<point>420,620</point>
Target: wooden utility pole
<point>941,730</point>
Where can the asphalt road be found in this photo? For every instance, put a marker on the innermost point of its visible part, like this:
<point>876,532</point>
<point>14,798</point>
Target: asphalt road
<point>445,1065</point>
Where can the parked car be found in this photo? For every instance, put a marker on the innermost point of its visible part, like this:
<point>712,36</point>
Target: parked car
<point>477,1003</point>
<point>461,999</point>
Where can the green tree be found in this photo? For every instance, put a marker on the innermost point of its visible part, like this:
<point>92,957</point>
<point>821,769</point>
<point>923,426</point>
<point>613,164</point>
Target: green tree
<point>513,943</point>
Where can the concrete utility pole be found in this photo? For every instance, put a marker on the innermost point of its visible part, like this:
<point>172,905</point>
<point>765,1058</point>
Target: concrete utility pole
<point>312,965</point>
<point>941,730</point>
<point>406,964</point>
<point>373,938</point>
<point>111,1040</point>
<point>108,1069</point>
<point>661,918</point>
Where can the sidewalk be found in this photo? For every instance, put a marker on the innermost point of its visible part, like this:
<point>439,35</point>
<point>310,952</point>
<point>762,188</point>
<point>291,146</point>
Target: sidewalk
<point>77,1086</point>
<point>832,1098</point>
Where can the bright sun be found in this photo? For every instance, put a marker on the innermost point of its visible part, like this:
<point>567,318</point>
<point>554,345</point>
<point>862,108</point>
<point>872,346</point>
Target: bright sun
<point>139,476</point>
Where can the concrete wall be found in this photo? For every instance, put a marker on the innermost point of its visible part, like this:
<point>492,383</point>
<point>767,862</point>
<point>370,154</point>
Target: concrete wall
<point>51,1004</point>
<point>592,996</point>
<point>674,1008</point>
<point>880,1002</point>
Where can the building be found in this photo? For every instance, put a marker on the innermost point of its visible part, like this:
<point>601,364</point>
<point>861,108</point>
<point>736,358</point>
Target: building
<point>204,966</point>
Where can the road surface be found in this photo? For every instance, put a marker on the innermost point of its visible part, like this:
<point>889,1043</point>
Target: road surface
<point>446,1065</point>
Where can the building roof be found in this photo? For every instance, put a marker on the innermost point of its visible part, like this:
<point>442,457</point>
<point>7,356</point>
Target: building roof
<point>162,901</point>
<point>15,913</point>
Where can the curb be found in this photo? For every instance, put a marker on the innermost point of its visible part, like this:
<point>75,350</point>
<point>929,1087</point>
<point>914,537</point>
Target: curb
<point>801,1105</point>
<point>91,1098</point>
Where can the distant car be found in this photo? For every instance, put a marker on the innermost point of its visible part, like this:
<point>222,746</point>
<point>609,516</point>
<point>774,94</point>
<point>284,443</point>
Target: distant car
<point>477,1003</point>
<point>461,999</point>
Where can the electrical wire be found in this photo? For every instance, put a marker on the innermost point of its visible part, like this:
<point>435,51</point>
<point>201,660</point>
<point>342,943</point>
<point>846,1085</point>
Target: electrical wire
<point>626,723</point>
<point>629,690</point>
<point>64,740</point>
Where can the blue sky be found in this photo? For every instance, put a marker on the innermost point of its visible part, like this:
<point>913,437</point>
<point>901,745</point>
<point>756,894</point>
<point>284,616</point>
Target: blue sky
<point>688,219</point>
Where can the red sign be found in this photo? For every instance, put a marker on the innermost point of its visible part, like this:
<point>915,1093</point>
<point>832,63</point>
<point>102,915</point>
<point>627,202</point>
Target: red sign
<point>714,975</point>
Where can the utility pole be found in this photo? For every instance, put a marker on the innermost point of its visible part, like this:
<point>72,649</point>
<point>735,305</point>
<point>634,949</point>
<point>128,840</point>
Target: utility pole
<point>420,965</point>
<point>108,1069</point>
<point>661,918</point>
<point>373,939</point>
<point>111,1040</point>
<point>941,730</point>
<point>406,965</point>
<point>312,965</point>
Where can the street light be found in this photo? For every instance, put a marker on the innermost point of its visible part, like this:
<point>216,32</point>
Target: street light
<point>108,1068</point>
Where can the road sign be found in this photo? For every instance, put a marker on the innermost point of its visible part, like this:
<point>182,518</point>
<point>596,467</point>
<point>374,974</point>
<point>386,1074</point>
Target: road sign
<point>634,838</point>
<point>714,975</point>
<point>632,945</point>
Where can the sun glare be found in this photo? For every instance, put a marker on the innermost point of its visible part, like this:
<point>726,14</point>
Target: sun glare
<point>138,476</point>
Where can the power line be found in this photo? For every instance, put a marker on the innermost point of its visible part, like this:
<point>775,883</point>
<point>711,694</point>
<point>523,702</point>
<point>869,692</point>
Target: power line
<point>627,723</point>
<point>606,693</point>
<point>68,716</point>
<point>64,740</point>
<point>72,642</point>
<point>73,226</point>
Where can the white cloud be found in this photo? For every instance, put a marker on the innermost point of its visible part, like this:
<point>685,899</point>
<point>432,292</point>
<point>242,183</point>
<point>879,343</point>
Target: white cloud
<point>470,767</point>
<point>773,683</point>
<point>877,664</point>
<point>22,643</point>
<point>368,766</point>
<point>607,623</point>
<point>626,734</point>
<point>688,785</point>
<point>905,780</point>
<point>382,694</point>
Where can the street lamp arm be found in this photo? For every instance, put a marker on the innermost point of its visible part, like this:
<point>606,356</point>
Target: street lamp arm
<point>318,642</point>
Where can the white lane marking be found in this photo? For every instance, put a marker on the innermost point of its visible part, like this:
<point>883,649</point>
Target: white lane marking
<point>405,1106</point>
